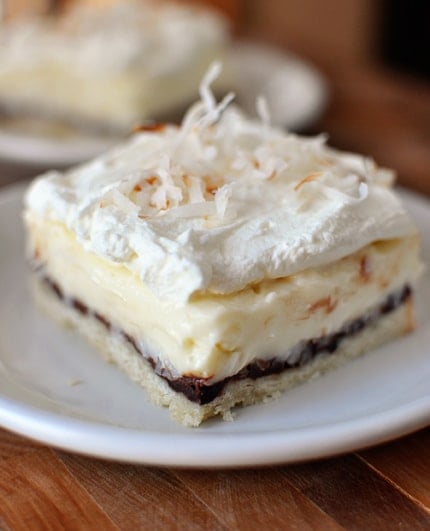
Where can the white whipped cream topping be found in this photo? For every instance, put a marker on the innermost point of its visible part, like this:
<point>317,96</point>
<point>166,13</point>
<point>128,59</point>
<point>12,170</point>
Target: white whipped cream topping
<point>221,202</point>
<point>155,36</point>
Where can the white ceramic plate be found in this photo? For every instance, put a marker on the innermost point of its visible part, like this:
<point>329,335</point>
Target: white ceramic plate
<point>55,389</point>
<point>47,151</point>
<point>295,91</point>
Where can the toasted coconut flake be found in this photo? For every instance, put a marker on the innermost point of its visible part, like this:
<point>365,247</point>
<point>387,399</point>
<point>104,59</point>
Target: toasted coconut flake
<point>212,184</point>
<point>155,127</point>
<point>326,304</point>
<point>187,180</point>
<point>151,180</point>
<point>365,269</point>
<point>309,178</point>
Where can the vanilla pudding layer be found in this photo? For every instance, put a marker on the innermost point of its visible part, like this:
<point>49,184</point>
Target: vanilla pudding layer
<point>213,337</point>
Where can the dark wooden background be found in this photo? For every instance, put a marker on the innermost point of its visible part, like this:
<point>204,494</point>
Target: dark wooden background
<point>385,488</point>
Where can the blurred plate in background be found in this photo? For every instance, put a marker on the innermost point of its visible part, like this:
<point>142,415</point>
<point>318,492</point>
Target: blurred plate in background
<point>42,147</point>
<point>296,94</point>
<point>295,91</point>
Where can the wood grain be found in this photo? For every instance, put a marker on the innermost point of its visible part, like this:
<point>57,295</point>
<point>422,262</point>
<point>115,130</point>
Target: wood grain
<point>42,489</point>
<point>355,496</point>
<point>12,445</point>
<point>140,497</point>
<point>37,492</point>
<point>249,499</point>
<point>406,464</point>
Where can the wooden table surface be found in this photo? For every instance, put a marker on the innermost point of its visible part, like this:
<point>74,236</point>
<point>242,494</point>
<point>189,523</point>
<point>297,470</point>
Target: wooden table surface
<point>384,488</point>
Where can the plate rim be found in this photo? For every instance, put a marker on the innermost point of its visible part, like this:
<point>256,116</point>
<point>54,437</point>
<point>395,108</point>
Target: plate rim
<point>152,447</point>
<point>155,448</point>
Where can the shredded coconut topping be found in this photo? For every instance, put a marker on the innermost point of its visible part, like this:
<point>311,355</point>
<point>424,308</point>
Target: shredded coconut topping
<point>222,201</point>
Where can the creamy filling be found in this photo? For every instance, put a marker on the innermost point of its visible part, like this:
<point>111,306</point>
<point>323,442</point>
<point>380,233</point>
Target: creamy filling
<point>201,391</point>
<point>214,336</point>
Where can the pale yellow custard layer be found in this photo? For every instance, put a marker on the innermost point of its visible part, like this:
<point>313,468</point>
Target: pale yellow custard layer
<point>214,336</point>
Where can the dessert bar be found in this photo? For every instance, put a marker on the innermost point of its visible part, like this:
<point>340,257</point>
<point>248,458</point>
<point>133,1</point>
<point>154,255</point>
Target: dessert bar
<point>222,261</point>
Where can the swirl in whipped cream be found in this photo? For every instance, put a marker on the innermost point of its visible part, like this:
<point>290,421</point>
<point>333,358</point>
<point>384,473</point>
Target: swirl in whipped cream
<point>221,202</point>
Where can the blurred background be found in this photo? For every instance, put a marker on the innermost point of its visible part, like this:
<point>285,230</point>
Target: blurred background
<point>373,55</point>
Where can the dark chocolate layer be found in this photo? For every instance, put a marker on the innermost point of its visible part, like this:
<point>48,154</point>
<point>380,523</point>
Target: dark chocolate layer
<point>198,390</point>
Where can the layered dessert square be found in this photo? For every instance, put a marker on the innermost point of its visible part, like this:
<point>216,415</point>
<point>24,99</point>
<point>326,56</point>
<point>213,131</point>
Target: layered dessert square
<point>105,68</point>
<point>220,262</point>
